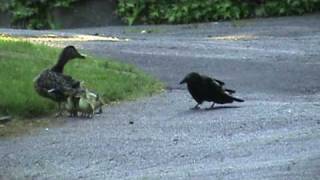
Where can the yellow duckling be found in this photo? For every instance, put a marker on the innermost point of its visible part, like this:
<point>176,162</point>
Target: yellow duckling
<point>89,102</point>
<point>95,100</point>
<point>86,108</point>
<point>71,106</point>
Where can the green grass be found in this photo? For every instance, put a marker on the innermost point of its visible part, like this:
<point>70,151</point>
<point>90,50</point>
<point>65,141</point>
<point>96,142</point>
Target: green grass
<point>21,61</point>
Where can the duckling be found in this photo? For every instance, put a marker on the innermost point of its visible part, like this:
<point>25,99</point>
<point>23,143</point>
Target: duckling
<point>95,100</point>
<point>89,103</point>
<point>85,107</point>
<point>99,103</point>
<point>72,106</point>
<point>53,84</point>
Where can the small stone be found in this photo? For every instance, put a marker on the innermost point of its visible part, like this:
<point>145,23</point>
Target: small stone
<point>175,141</point>
<point>146,31</point>
<point>131,122</point>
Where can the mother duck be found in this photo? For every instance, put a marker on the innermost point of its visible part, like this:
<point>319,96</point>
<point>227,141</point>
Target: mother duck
<point>53,84</point>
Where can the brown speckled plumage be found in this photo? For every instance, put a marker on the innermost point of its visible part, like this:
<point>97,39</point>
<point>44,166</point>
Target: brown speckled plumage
<point>53,84</point>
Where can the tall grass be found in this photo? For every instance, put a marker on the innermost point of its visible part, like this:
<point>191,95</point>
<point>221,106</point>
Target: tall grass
<point>21,62</point>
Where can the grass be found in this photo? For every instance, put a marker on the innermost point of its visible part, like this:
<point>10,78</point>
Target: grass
<point>21,61</point>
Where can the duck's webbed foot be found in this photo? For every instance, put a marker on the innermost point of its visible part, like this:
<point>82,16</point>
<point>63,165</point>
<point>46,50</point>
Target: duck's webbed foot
<point>59,113</point>
<point>73,114</point>
<point>99,111</point>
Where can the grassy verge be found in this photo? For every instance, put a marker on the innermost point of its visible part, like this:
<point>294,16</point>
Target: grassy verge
<point>21,61</point>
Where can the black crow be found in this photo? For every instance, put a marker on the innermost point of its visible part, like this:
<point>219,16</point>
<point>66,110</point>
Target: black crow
<point>203,88</point>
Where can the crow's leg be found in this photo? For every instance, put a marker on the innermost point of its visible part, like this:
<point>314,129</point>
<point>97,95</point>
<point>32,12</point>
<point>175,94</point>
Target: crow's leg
<point>212,105</point>
<point>196,107</point>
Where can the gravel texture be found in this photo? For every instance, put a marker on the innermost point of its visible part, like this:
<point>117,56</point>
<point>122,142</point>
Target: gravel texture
<point>274,64</point>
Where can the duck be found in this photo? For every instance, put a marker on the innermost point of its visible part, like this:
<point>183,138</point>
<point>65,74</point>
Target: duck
<point>53,84</point>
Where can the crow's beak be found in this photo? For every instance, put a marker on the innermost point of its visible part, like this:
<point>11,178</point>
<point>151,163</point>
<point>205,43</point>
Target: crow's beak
<point>183,81</point>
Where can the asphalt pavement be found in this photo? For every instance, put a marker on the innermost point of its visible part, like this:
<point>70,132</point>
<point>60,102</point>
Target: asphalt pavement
<point>273,64</point>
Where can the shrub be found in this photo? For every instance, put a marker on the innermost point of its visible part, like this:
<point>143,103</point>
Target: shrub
<point>35,14</point>
<point>187,11</point>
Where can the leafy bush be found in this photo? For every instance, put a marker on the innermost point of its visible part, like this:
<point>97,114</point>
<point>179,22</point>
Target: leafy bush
<point>35,14</point>
<point>186,11</point>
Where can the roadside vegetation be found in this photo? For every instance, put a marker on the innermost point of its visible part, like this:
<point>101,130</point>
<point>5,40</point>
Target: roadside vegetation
<point>189,11</point>
<point>37,14</point>
<point>21,62</point>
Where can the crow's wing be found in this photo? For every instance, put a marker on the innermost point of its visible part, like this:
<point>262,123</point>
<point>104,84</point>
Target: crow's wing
<point>221,83</point>
<point>206,78</point>
<point>230,91</point>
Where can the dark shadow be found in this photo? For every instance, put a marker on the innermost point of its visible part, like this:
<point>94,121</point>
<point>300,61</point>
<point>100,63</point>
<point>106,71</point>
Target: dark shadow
<point>221,107</point>
<point>203,109</point>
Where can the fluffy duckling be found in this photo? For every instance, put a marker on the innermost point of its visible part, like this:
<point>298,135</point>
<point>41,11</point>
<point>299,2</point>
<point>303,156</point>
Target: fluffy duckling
<point>53,84</point>
<point>85,107</point>
<point>72,106</point>
<point>89,103</point>
<point>96,100</point>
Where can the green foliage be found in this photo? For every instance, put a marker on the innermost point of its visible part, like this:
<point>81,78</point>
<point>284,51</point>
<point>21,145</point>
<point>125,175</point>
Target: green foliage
<point>35,14</point>
<point>186,11</point>
<point>21,62</point>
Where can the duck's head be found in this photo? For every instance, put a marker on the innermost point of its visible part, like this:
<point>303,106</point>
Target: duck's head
<point>191,77</point>
<point>70,52</point>
<point>67,54</point>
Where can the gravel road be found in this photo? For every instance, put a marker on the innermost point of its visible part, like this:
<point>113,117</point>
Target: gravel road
<point>274,64</point>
